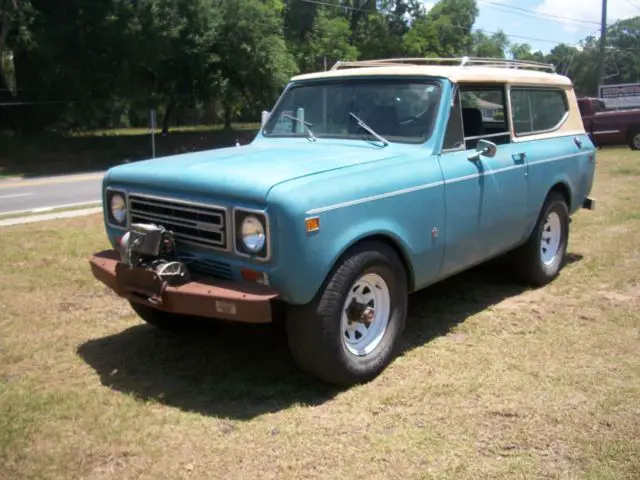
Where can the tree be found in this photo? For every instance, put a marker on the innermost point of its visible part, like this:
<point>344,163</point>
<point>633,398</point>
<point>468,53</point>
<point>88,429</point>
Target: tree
<point>623,52</point>
<point>381,33</point>
<point>492,46</point>
<point>254,60</point>
<point>171,56</point>
<point>522,51</point>
<point>445,31</point>
<point>9,11</point>
<point>329,41</point>
<point>299,18</point>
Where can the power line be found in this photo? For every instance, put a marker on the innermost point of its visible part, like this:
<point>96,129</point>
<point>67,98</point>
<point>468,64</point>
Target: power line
<point>346,7</point>
<point>534,12</point>
<point>555,42</point>
<point>510,35</point>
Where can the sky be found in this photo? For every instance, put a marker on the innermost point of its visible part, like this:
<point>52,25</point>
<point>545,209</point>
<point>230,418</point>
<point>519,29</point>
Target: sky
<point>541,21</point>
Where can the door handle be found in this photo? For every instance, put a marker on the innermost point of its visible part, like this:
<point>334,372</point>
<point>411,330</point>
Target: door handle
<point>519,157</point>
<point>578,141</point>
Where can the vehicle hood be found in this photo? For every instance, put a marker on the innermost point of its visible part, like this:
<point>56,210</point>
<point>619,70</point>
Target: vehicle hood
<point>248,172</point>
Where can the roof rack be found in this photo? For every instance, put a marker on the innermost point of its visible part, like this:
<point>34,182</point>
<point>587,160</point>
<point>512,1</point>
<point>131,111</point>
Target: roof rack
<point>460,62</point>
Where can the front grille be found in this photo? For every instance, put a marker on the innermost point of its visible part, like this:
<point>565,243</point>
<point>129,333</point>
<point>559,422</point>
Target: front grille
<point>209,267</point>
<point>196,224</point>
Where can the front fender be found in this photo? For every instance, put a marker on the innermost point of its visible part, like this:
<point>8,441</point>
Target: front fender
<point>302,271</point>
<point>389,231</point>
<point>307,259</point>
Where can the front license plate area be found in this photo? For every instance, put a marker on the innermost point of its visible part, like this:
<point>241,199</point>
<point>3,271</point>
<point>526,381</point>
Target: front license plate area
<point>139,282</point>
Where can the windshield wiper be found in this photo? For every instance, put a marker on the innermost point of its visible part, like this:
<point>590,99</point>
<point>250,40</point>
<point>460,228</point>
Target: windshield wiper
<point>310,136</point>
<point>370,130</point>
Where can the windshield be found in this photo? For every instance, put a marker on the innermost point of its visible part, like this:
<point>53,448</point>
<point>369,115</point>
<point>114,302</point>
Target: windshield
<point>397,110</point>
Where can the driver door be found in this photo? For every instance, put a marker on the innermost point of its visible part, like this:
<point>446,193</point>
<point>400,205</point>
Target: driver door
<point>485,195</point>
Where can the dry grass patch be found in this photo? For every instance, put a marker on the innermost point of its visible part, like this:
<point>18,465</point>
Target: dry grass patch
<point>495,381</point>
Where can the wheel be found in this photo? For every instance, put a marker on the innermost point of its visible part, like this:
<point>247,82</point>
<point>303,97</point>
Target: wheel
<point>349,333</point>
<point>539,260</point>
<point>634,139</point>
<point>163,320</point>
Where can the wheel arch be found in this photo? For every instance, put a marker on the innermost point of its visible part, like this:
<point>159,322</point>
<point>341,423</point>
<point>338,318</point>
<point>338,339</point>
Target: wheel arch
<point>560,186</point>
<point>632,130</point>
<point>563,189</point>
<point>385,238</point>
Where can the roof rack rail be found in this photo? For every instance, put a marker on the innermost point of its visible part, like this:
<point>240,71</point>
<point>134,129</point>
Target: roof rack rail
<point>455,61</point>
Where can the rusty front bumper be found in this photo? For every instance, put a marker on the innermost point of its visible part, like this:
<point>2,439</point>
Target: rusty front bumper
<point>203,297</point>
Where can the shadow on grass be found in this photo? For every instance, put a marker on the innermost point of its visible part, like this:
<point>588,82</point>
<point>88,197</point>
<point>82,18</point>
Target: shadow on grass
<point>435,311</point>
<point>59,155</point>
<point>242,371</point>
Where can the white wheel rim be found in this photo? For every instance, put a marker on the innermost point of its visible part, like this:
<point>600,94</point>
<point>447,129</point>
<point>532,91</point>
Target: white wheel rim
<point>365,314</point>
<point>550,242</point>
<point>636,140</point>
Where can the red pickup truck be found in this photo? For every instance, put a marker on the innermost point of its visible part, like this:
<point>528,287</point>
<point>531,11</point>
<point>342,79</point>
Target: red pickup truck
<point>610,127</point>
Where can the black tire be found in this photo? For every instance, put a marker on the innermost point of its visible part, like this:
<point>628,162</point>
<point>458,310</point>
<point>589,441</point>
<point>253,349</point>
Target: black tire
<point>527,260</point>
<point>633,133</point>
<point>314,330</point>
<point>166,321</point>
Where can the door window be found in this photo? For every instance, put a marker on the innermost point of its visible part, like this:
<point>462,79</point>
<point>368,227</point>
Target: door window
<point>483,114</point>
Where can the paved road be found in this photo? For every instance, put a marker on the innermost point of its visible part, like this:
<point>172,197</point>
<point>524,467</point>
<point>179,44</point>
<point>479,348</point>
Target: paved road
<point>46,193</point>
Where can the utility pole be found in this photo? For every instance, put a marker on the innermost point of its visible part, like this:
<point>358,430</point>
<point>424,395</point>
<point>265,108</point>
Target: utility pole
<point>603,40</point>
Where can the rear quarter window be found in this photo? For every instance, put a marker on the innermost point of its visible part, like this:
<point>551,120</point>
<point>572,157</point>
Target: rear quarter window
<point>537,110</point>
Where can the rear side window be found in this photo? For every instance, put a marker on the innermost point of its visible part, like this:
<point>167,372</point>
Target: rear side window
<point>538,110</point>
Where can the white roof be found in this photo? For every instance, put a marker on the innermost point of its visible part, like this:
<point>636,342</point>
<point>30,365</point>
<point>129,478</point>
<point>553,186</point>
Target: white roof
<point>454,73</point>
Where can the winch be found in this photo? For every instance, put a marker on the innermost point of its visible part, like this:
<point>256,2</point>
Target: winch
<point>152,247</point>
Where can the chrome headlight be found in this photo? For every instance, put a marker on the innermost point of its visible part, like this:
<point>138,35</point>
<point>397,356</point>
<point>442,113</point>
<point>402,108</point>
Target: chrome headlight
<point>252,234</point>
<point>116,208</point>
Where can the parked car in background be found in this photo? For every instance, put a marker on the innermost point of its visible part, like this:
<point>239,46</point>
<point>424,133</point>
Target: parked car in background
<point>365,183</point>
<point>610,127</point>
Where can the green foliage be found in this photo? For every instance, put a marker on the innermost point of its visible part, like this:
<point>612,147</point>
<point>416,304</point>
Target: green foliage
<point>445,31</point>
<point>328,41</point>
<point>8,71</point>
<point>493,46</point>
<point>254,61</point>
<point>104,64</point>
<point>522,51</point>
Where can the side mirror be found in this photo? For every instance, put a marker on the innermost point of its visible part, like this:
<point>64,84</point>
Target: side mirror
<point>263,118</point>
<point>483,147</point>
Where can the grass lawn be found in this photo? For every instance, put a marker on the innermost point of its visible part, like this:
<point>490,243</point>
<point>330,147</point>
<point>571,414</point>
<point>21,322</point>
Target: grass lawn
<point>60,154</point>
<point>495,381</point>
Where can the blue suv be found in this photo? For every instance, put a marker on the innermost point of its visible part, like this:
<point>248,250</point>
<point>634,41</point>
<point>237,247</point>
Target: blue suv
<point>365,183</point>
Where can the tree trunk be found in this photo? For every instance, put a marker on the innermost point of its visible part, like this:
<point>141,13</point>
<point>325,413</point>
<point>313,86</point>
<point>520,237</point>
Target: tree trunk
<point>356,13</point>
<point>166,117</point>
<point>227,116</point>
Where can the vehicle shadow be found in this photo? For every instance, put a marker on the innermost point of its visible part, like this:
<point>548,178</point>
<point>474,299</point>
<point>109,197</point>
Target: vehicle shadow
<point>438,309</point>
<point>242,371</point>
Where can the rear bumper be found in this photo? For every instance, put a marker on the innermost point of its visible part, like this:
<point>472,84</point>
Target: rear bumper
<point>203,297</point>
<point>589,203</point>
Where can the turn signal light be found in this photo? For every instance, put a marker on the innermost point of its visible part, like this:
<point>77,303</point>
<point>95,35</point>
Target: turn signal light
<point>312,224</point>
<point>254,276</point>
